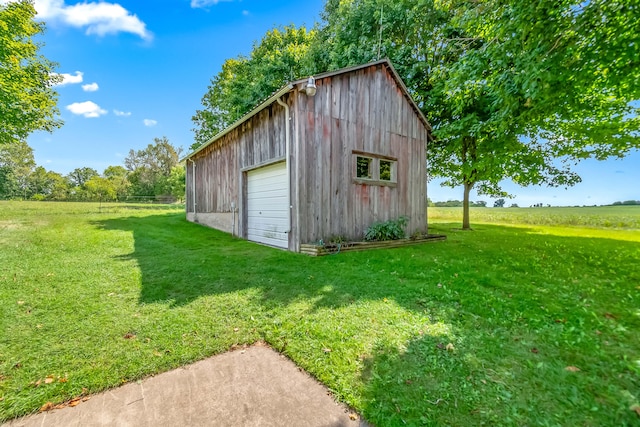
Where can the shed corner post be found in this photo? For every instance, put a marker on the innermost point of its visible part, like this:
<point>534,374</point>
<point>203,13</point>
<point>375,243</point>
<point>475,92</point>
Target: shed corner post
<point>193,189</point>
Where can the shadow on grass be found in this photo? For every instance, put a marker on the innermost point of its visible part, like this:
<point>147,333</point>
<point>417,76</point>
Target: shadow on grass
<point>518,307</point>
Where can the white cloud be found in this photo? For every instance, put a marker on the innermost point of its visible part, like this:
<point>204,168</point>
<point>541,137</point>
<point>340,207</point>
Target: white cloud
<point>99,18</point>
<point>70,79</point>
<point>91,87</point>
<point>245,13</point>
<point>121,113</point>
<point>87,109</point>
<point>204,3</point>
<point>149,122</point>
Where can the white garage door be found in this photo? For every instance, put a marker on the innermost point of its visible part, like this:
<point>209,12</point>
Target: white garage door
<point>267,205</point>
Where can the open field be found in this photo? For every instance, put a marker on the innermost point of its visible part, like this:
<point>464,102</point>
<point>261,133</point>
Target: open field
<point>608,217</point>
<point>506,325</point>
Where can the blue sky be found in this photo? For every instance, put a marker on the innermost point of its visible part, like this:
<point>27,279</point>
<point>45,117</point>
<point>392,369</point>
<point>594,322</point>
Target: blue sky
<point>135,70</point>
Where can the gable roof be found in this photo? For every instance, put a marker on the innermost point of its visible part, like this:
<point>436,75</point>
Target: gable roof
<point>289,87</point>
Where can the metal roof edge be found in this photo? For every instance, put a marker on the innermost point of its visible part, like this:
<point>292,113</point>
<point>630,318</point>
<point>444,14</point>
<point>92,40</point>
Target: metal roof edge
<point>285,89</point>
<point>343,70</point>
<point>288,87</point>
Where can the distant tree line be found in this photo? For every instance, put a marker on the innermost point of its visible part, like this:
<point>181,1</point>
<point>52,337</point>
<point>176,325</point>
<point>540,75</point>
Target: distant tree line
<point>456,204</point>
<point>627,202</point>
<point>153,173</point>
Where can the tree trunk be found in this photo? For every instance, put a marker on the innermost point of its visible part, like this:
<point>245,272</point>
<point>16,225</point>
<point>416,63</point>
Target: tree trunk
<point>465,207</point>
<point>469,158</point>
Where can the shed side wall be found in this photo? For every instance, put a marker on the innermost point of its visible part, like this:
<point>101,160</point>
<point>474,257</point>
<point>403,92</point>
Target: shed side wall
<point>365,111</point>
<point>220,168</point>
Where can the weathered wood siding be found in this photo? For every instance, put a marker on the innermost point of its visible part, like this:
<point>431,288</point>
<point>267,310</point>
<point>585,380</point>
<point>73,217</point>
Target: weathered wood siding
<point>219,177</point>
<point>362,110</point>
<point>366,111</point>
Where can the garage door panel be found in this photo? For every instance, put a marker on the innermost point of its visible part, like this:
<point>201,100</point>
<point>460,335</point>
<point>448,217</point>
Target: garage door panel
<point>267,205</point>
<point>270,199</point>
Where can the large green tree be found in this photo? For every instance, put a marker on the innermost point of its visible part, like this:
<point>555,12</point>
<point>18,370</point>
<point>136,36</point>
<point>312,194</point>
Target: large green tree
<point>16,165</point>
<point>150,168</point>
<point>27,98</point>
<point>47,185</point>
<point>79,176</point>
<point>77,183</point>
<point>282,55</point>
<point>101,189</point>
<point>504,100</point>
<point>173,186</point>
<point>574,66</point>
<point>119,177</point>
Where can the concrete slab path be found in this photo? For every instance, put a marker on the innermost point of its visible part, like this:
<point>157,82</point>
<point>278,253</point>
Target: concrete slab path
<point>255,386</point>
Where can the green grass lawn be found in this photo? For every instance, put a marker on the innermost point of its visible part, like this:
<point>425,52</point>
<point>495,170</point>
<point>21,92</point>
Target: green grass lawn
<point>505,325</point>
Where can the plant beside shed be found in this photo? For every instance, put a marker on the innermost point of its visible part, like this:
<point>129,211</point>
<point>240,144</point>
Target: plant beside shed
<point>387,234</point>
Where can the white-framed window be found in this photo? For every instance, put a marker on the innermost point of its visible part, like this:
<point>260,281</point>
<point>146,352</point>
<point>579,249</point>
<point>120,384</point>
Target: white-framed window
<point>374,169</point>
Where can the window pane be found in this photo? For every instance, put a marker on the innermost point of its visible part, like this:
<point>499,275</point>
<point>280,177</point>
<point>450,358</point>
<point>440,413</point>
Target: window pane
<point>363,167</point>
<point>385,170</point>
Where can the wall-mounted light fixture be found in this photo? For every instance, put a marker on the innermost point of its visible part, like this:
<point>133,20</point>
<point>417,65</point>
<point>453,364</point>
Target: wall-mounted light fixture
<point>310,88</point>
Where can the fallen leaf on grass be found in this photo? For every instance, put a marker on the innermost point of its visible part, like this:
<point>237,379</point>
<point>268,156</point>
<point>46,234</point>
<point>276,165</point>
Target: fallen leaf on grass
<point>535,350</point>
<point>572,369</point>
<point>20,302</point>
<point>75,402</point>
<point>46,407</point>
<point>326,350</point>
<point>450,347</point>
<point>129,336</point>
<point>636,409</point>
<point>49,379</point>
<point>609,316</point>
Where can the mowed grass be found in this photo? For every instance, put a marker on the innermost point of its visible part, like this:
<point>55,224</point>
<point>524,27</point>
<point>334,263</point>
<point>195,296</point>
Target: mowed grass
<point>505,325</point>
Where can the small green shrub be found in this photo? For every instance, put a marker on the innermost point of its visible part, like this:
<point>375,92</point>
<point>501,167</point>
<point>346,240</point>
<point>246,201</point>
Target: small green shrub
<point>388,230</point>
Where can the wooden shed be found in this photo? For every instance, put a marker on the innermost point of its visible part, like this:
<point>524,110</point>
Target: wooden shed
<point>304,167</point>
